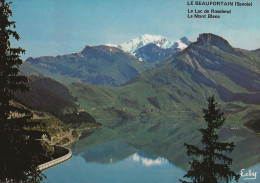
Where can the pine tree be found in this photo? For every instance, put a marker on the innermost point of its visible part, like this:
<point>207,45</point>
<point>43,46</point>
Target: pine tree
<point>18,154</point>
<point>211,165</point>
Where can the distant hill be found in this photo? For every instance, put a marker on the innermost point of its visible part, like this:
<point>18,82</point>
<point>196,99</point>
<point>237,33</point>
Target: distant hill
<point>99,65</point>
<point>51,96</point>
<point>48,95</point>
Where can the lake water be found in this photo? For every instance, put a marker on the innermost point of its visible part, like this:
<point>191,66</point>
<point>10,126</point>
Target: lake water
<point>144,153</point>
<point>135,168</point>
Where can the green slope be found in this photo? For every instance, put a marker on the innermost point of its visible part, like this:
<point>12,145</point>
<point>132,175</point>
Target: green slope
<point>182,84</point>
<point>177,88</point>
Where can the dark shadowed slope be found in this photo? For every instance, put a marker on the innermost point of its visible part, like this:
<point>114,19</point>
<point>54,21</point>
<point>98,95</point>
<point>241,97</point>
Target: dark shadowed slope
<point>51,96</point>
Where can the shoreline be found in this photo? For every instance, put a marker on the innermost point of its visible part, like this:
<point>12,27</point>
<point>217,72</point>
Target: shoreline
<point>62,147</point>
<point>56,161</point>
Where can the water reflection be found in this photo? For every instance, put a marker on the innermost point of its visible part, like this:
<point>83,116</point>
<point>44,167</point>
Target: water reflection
<point>105,152</point>
<point>128,170</point>
<point>148,161</point>
<point>142,152</point>
<point>164,140</point>
<point>137,168</point>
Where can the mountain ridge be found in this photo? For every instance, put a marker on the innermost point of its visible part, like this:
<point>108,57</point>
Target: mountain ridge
<point>104,65</point>
<point>153,53</point>
<point>100,65</point>
<point>161,42</point>
<point>184,81</point>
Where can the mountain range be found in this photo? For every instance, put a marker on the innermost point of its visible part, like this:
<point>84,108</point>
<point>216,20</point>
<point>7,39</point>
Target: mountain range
<point>177,87</point>
<point>181,84</point>
<point>104,65</point>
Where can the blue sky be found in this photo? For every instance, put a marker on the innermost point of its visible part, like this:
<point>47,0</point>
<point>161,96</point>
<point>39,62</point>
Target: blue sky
<point>55,27</point>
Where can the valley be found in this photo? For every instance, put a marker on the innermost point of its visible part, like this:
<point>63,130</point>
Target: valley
<point>176,88</point>
<point>180,86</point>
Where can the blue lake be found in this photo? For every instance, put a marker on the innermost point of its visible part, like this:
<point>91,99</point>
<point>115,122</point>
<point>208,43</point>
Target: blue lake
<point>132,169</point>
<point>134,154</point>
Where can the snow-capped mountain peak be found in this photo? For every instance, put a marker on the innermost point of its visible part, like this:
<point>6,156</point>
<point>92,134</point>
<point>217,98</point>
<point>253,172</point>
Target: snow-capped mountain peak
<point>152,48</point>
<point>161,41</point>
<point>136,43</point>
<point>161,51</point>
<point>181,44</point>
